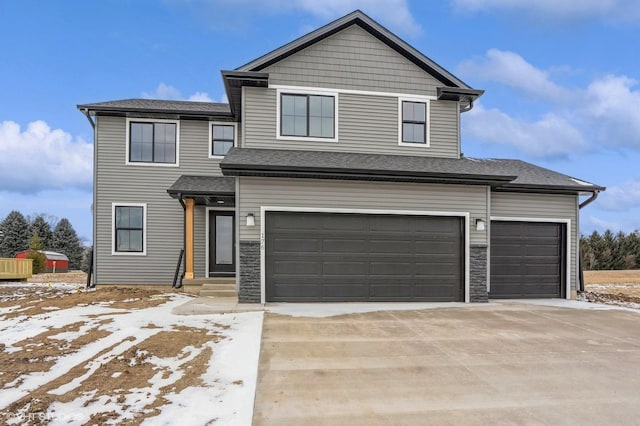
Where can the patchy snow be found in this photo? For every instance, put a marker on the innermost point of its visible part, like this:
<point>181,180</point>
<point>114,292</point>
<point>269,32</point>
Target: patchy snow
<point>573,304</point>
<point>581,182</point>
<point>228,386</point>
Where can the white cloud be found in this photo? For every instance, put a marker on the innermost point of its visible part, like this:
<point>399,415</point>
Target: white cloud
<point>613,108</point>
<point>595,223</point>
<point>572,10</point>
<point>550,137</point>
<point>513,70</point>
<point>170,93</point>
<point>39,158</point>
<point>606,110</point>
<point>621,197</point>
<point>200,97</point>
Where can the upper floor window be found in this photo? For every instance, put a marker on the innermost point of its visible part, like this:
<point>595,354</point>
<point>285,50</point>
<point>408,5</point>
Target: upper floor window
<point>152,142</point>
<point>129,228</point>
<point>414,122</point>
<point>307,115</point>
<point>222,139</point>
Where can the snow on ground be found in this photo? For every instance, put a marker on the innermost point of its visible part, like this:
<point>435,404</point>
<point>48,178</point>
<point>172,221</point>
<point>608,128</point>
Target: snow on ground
<point>223,392</point>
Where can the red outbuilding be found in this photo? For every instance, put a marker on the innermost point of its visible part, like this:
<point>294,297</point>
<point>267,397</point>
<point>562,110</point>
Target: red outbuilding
<point>56,262</point>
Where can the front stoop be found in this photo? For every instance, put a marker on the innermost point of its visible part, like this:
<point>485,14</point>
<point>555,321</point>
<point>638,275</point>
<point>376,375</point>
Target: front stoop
<point>215,287</point>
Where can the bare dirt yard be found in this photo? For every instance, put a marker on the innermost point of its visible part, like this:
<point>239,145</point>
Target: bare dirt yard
<point>120,356</point>
<point>613,287</point>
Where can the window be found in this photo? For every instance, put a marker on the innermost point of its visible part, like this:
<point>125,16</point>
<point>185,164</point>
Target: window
<point>222,139</point>
<point>129,229</point>
<point>307,115</point>
<point>153,142</point>
<point>414,122</point>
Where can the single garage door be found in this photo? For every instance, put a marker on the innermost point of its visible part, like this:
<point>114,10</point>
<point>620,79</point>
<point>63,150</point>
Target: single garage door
<point>335,257</point>
<point>527,260</point>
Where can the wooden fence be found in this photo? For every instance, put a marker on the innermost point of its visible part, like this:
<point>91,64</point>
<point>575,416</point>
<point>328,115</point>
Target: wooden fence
<point>15,269</point>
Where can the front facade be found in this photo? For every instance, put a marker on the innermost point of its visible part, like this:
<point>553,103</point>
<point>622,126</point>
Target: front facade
<point>335,173</point>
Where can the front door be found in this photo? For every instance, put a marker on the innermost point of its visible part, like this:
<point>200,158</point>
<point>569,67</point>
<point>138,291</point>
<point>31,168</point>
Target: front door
<point>222,259</point>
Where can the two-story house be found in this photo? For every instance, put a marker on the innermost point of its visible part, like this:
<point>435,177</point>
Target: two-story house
<point>334,173</point>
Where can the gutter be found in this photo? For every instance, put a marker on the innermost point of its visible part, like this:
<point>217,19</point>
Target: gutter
<point>582,205</point>
<point>87,114</point>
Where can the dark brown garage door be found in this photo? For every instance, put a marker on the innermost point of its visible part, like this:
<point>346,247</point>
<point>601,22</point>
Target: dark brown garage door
<point>527,260</point>
<point>331,257</point>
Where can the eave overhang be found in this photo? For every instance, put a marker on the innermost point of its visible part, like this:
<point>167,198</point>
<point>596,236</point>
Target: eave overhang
<point>466,97</point>
<point>234,81</point>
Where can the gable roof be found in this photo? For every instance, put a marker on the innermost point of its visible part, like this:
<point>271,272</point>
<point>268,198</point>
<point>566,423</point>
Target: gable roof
<point>159,106</point>
<point>357,18</point>
<point>508,174</point>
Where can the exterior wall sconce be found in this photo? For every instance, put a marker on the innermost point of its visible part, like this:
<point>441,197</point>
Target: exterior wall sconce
<point>480,225</point>
<point>251,220</point>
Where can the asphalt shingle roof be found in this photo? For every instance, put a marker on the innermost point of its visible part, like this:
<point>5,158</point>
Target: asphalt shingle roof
<point>203,185</point>
<point>507,173</point>
<point>156,105</point>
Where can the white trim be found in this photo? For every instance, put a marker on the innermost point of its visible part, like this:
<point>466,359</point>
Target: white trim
<point>147,164</point>
<point>567,223</point>
<point>221,123</point>
<point>488,239</point>
<point>309,91</point>
<point>305,89</point>
<point>113,229</point>
<point>427,123</point>
<point>206,233</point>
<point>265,209</point>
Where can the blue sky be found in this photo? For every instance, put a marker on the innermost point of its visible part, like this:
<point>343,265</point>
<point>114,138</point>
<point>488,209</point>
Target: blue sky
<point>561,80</point>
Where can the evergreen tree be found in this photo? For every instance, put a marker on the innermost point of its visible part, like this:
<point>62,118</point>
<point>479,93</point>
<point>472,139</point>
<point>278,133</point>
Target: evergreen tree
<point>39,259</point>
<point>41,227</point>
<point>15,234</point>
<point>65,241</point>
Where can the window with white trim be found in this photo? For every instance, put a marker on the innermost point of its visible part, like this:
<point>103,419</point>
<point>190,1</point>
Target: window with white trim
<point>152,142</point>
<point>129,228</point>
<point>307,115</point>
<point>414,122</point>
<point>222,139</point>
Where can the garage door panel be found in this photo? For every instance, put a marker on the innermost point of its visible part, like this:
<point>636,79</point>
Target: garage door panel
<point>345,268</point>
<point>297,267</point>
<point>527,259</point>
<point>364,257</point>
<point>344,245</point>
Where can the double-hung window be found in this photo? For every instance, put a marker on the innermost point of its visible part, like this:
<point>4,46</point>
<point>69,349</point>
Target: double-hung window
<point>129,228</point>
<point>307,115</point>
<point>153,142</point>
<point>414,122</point>
<point>222,139</point>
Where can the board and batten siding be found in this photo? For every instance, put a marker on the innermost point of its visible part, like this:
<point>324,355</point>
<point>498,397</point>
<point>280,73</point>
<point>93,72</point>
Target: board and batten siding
<point>121,183</point>
<point>541,206</point>
<point>356,60</point>
<point>324,194</point>
<point>366,124</point>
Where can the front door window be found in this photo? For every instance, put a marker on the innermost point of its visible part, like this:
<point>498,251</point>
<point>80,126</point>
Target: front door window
<point>221,242</point>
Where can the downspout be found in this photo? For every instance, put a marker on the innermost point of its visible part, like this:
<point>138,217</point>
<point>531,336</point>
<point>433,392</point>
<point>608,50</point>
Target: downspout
<point>583,204</point>
<point>94,252</point>
<point>88,115</point>
<point>184,237</point>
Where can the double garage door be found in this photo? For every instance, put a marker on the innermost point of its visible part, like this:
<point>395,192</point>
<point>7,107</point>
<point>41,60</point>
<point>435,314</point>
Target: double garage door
<point>338,257</point>
<point>527,260</point>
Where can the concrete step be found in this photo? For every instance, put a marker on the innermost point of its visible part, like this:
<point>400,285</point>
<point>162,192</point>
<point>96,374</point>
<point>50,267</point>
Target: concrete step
<point>219,293</point>
<point>229,286</point>
<point>216,280</point>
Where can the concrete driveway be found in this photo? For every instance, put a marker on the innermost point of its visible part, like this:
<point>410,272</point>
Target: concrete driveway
<point>500,363</point>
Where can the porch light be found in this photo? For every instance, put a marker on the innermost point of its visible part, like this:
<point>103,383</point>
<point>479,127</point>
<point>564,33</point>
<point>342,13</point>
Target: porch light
<point>251,220</point>
<point>479,225</point>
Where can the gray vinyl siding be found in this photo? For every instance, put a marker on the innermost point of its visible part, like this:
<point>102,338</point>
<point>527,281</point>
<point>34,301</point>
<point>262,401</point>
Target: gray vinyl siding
<point>257,192</point>
<point>543,206</point>
<point>121,183</point>
<point>353,59</point>
<point>366,123</point>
